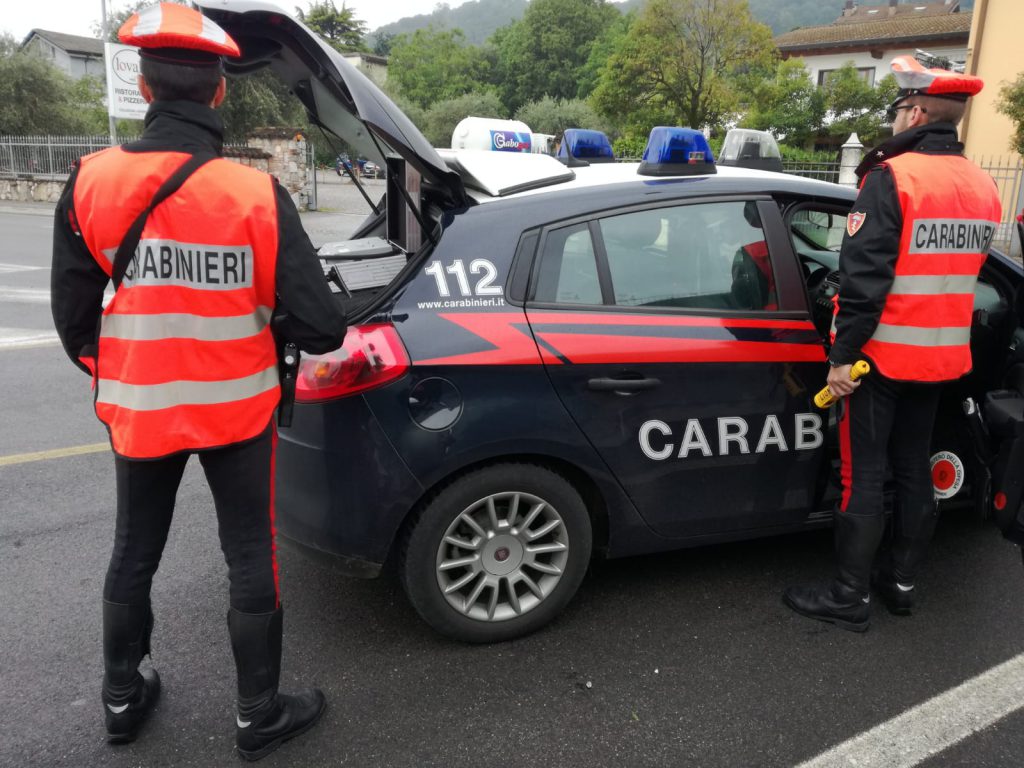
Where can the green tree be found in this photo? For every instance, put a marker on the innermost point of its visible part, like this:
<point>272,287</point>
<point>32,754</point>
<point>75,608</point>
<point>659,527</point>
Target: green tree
<point>433,65</point>
<point>553,116</point>
<point>258,100</point>
<point>546,52</point>
<point>382,42</point>
<point>341,29</point>
<point>788,104</point>
<point>87,95</point>
<point>682,59</point>
<point>440,119</point>
<point>854,106</point>
<point>1011,104</point>
<point>604,46</point>
<point>36,97</point>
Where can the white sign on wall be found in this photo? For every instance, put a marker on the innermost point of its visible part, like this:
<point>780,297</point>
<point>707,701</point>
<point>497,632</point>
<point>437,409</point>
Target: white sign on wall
<point>123,97</point>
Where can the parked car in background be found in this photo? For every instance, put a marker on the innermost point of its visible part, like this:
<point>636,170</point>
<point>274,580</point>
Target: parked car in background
<point>371,170</point>
<point>343,165</point>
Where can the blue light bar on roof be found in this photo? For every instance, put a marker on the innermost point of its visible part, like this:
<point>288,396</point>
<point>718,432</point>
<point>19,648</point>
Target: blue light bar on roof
<point>580,144</point>
<point>676,152</point>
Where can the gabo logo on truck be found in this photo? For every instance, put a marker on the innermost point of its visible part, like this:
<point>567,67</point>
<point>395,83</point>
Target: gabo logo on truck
<point>508,141</point>
<point>732,435</point>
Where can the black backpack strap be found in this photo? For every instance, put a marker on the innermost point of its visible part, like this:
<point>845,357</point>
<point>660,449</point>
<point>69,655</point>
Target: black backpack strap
<point>130,242</point>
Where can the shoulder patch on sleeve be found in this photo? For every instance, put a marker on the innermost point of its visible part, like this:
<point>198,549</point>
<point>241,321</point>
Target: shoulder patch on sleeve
<point>854,222</point>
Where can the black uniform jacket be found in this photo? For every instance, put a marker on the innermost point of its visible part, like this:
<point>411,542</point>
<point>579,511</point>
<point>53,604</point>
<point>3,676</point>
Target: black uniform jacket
<point>306,310</point>
<point>867,261</point>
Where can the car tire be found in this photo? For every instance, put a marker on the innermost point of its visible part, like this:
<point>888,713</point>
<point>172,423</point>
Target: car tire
<point>497,553</point>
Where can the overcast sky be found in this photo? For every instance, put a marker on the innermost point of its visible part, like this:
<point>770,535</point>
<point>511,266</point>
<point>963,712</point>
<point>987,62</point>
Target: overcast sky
<point>77,17</point>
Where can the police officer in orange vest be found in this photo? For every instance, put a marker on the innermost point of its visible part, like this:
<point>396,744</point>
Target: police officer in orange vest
<point>183,359</point>
<point>915,241</point>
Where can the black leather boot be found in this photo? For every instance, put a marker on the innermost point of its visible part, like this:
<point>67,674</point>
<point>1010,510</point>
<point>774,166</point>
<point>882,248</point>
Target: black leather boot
<point>897,596</point>
<point>266,718</point>
<point>894,583</point>
<point>128,695</point>
<point>845,601</point>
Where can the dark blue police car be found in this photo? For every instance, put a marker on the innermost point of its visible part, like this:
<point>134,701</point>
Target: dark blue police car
<point>554,362</point>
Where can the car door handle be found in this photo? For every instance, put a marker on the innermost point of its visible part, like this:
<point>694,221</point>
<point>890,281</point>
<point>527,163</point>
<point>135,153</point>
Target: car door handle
<point>622,385</point>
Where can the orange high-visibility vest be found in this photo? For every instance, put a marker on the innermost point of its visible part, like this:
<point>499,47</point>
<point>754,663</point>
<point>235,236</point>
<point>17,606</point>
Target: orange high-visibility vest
<point>186,359</point>
<point>950,213</point>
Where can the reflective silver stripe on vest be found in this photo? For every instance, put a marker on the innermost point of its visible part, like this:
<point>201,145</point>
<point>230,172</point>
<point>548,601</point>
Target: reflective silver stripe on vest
<point>933,285</point>
<point>918,336</point>
<point>182,326</point>
<point>153,397</point>
<point>951,235</point>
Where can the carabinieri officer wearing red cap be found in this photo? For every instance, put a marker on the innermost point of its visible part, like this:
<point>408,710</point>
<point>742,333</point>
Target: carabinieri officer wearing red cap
<point>183,358</point>
<point>915,241</point>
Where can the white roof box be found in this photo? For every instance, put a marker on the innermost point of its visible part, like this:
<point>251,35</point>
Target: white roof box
<point>491,134</point>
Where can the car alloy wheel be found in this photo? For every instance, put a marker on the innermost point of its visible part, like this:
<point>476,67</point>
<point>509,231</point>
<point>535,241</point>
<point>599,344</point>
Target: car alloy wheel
<point>497,553</point>
<point>502,556</point>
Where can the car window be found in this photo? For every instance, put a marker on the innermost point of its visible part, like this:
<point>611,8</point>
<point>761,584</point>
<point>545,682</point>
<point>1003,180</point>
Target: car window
<point>704,256</point>
<point>568,268</point>
<point>819,229</point>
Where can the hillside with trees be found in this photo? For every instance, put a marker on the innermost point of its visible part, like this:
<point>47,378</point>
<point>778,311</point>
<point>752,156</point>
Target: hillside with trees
<point>479,19</point>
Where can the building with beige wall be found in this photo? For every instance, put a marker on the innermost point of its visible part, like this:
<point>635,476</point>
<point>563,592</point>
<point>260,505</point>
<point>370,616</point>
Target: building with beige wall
<point>994,54</point>
<point>373,66</point>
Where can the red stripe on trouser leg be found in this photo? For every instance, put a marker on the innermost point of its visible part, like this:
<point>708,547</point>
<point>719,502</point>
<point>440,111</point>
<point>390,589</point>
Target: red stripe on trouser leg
<point>845,455</point>
<point>273,528</point>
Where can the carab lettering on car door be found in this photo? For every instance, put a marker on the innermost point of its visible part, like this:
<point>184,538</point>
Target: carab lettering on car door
<point>705,417</point>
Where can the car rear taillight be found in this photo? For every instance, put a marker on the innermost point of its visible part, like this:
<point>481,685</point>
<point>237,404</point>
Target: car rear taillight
<point>371,356</point>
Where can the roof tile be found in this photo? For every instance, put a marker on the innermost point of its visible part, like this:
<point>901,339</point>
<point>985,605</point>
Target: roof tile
<point>894,29</point>
<point>70,43</point>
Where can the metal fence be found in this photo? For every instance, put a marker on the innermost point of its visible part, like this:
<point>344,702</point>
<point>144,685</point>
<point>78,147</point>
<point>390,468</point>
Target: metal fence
<point>1008,174</point>
<point>823,171</point>
<point>49,158</point>
<point>46,158</point>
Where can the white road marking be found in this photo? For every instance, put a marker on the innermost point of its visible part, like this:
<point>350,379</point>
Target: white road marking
<point>23,338</point>
<point>934,725</point>
<point>7,268</point>
<point>29,338</point>
<point>25,295</point>
<point>35,295</point>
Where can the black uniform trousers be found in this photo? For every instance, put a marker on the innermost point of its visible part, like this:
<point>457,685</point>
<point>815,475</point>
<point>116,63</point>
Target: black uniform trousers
<point>241,477</point>
<point>889,423</point>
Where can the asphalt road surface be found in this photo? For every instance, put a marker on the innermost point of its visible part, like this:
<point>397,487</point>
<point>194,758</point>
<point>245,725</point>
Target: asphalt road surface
<point>682,659</point>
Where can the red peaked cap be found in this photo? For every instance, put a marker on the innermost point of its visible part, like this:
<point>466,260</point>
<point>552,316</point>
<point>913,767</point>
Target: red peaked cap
<point>177,33</point>
<point>913,79</point>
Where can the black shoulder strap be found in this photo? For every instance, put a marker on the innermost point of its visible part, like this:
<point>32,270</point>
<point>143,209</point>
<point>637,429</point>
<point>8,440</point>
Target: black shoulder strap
<point>131,239</point>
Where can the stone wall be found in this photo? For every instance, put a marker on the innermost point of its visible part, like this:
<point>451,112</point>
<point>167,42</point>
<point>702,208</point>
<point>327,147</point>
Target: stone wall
<point>30,190</point>
<point>286,158</point>
<point>281,152</point>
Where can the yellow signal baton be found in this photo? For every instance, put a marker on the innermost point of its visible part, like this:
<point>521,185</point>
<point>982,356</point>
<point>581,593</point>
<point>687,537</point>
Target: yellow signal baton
<point>825,398</point>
